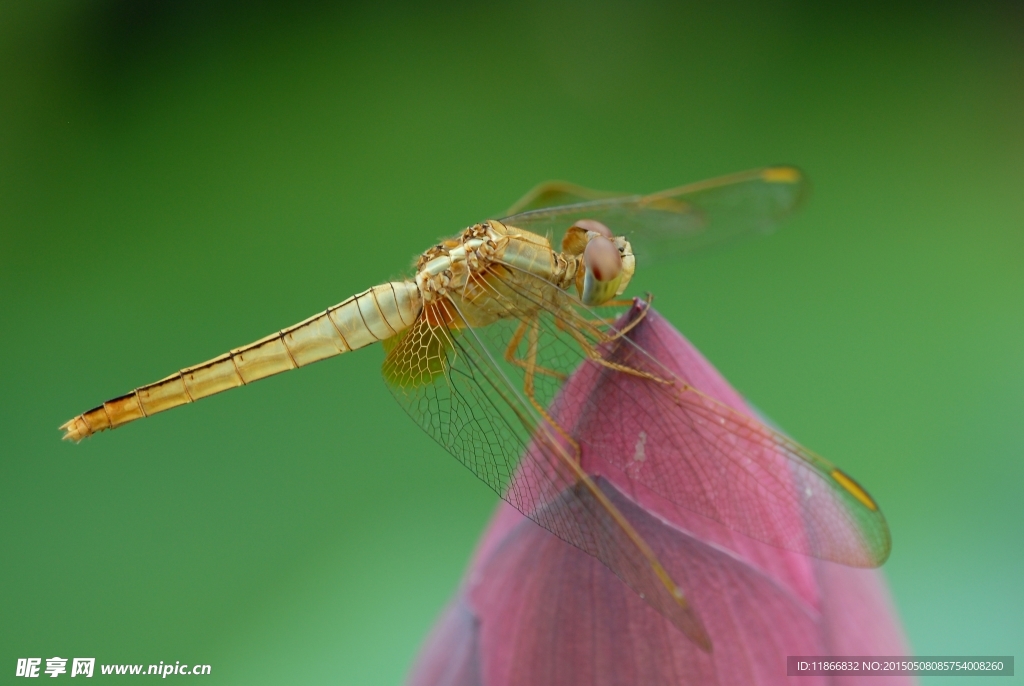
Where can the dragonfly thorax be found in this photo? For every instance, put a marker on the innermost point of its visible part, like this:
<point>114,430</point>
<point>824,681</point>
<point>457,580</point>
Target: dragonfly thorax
<point>447,266</point>
<point>450,266</point>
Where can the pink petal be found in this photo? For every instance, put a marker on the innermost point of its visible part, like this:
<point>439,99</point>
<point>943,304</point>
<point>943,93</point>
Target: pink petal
<point>535,610</point>
<point>450,656</point>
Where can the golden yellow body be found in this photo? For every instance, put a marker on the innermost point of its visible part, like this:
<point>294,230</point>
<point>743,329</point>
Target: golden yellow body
<point>376,314</point>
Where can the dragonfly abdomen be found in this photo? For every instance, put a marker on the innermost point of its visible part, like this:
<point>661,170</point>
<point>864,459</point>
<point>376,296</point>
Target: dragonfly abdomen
<point>373,315</point>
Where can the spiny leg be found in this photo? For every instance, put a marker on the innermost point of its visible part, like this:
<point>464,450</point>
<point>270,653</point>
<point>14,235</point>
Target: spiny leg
<point>593,324</point>
<point>513,346</point>
<point>591,352</point>
<point>584,481</point>
<point>530,369</point>
<point>574,462</point>
<point>531,329</point>
<point>618,302</point>
<point>619,333</point>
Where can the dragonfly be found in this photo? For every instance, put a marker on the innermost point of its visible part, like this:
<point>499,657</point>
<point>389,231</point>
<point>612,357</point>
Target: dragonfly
<point>480,347</point>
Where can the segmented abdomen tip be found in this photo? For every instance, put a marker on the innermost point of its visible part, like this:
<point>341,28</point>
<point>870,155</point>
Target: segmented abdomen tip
<point>75,429</point>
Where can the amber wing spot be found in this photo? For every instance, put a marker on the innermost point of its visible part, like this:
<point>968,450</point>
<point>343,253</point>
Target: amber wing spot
<point>854,489</point>
<point>419,355</point>
<point>782,175</point>
<point>667,205</point>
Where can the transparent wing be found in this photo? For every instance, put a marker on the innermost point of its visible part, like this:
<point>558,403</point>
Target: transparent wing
<point>453,386</point>
<point>671,222</point>
<point>696,452</point>
<point>553,194</point>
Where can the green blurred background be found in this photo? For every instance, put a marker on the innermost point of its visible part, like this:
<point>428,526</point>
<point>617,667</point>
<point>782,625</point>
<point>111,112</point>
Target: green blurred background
<point>179,178</point>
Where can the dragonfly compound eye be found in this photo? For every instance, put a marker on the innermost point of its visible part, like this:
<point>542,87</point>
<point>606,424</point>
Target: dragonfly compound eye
<point>603,265</point>
<point>595,226</point>
<point>579,234</point>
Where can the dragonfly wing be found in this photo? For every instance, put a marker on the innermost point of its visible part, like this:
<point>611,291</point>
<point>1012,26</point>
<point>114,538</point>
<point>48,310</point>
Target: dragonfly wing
<point>721,463</point>
<point>556,194</point>
<point>672,222</point>
<point>698,452</point>
<point>451,383</point>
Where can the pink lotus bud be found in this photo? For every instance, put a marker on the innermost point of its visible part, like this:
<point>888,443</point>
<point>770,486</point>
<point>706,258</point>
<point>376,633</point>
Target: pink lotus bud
<point>533,610</point>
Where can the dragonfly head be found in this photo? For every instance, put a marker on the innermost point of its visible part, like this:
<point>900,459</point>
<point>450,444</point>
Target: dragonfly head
<point>607,265</point>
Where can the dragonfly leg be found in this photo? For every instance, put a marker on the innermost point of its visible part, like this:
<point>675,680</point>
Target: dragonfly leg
<point>512,358</point>
<point>530,370</point>
<point>618,302</point>
<point>584,481</point>
<point>639,318</point>
<point>593,354</point>
<point>513,344</point>
<point>607,338</point>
